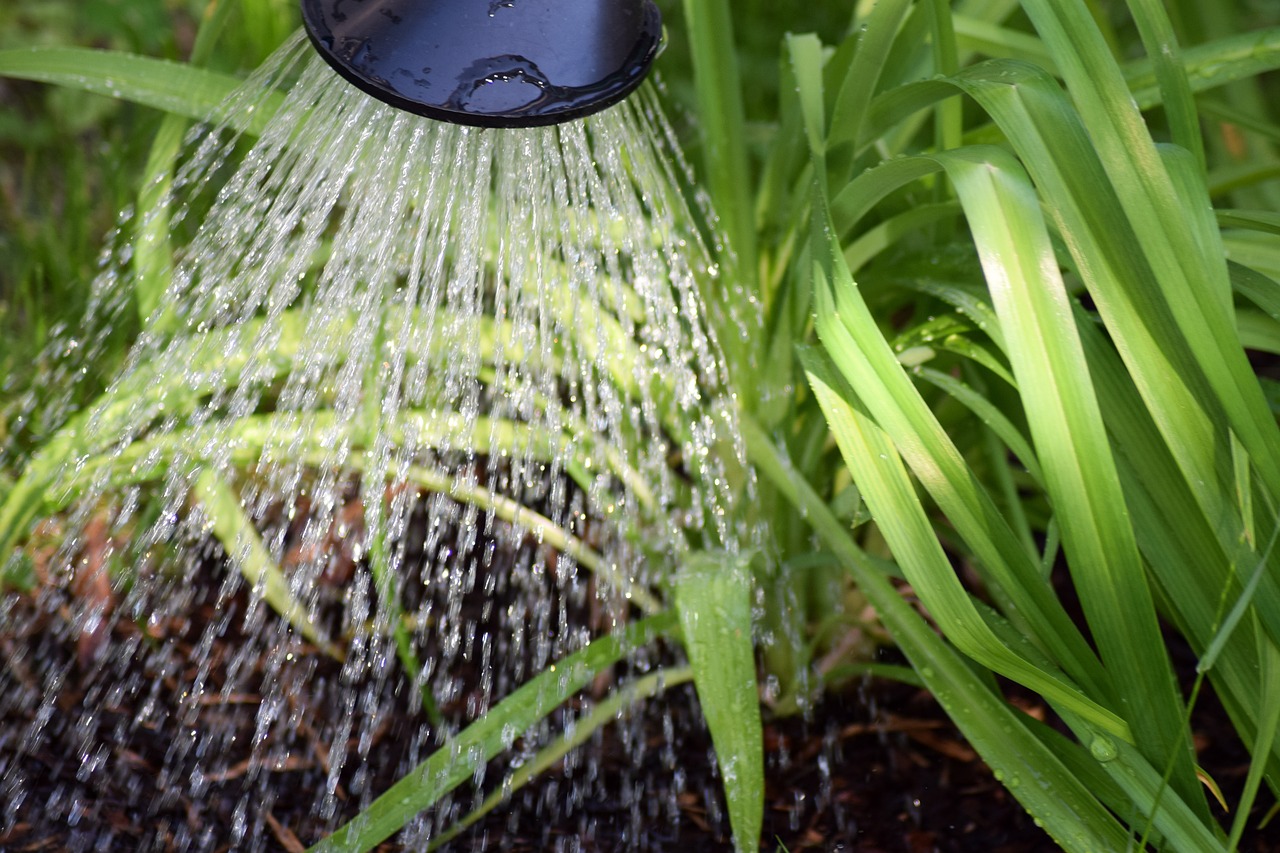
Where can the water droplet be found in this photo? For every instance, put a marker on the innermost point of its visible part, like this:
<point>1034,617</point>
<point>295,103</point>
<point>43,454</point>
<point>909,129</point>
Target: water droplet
<point>1102,748</point>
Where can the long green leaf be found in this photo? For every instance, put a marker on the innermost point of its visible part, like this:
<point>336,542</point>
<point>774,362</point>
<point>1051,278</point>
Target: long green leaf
<point>1178,542</point>
<point>601,715</point>
<point>901,519</point>
<point>875,39</point>
<point>1073,448</point>
<point>852,337</point>
<point>1186,279</point>
<point>1171,74</point>
<point>459,757</point>
<point>152,252</point>
<point>990,415</point>
<point>1216,63</point>
<point>1190,409</point>
<point>174,87</point>
<point>713,598</point>
<point>715,68</point>
<point>228,523</point>
<point>1269,701</point>
<point>1049,136</point>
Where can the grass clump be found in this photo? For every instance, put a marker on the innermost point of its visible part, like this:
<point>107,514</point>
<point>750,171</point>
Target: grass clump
<point>1015,266</point>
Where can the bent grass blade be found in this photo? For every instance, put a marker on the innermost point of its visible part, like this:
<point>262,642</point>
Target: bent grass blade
<point>1066,807</point>
<point>228,523</point>
<point>601,715</point>
<point>456,760</point>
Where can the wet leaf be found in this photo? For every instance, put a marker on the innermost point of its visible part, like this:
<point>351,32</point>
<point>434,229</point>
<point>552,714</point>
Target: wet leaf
<point>713,596</point>
<point>233,529</point>
<point>180,89</point>
<point>456,760</point>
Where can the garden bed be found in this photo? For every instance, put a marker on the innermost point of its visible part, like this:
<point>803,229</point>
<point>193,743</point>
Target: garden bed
<point>877,768</point>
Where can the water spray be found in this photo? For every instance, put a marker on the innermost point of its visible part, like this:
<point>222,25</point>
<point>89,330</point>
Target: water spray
<point>439,410</point>
<point>489,63</point>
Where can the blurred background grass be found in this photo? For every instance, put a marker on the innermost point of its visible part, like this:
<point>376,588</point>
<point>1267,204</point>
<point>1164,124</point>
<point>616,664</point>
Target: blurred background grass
<point>71,162</point>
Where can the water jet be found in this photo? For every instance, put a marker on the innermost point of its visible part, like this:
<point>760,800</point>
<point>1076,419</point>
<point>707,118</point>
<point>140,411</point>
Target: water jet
<point>427,416</point>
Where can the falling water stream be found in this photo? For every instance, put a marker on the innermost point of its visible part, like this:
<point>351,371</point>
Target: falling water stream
<point>423,409</point>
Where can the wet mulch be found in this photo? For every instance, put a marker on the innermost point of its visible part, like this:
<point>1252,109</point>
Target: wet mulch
<point>877,768</point>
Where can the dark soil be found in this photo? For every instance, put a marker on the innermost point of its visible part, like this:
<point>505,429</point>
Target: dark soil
<point>878,768</point>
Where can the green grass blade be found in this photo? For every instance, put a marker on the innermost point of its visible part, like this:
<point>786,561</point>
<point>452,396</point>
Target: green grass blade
<point>1257,250</point>
<point>1171,75</point>
<point>971,301</point>
<point>1192,415</point>
<point>992,40</point>
<point>1239,609</point>
<point>989,413</point>
<point>1180,823</point>
<point>1054,145</point>
<point>1259,289</point>
<point>1258,331</point>
<point>1208,66</point>
<point>867,448</point>
<point>1196,576</point>
<point>713,598</point>
<point>805,53</point>
<point>1266,221</point>
<point>1073,447</point>
<point>1269,701</point>
<point>949,120</point>
<point>852,337</point>
<point>607,711</point>
<point>1046,133</point>
<point>884,235</point>
<point>889,494</point>
<point>715,69</point>
<point>1232,178</point>
<point>174,87</point>
<point>228,523</point>
<point>1186,280</point>
<point>152,253</point>
<point>1132,787</point>
<point>876,38</point>
<point>457,759</point>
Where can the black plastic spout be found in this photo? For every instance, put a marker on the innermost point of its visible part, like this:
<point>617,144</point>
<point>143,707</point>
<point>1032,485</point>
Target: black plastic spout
<point>489,63</point>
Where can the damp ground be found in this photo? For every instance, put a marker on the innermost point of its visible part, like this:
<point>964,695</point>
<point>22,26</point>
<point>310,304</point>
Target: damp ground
<point>872,768</point>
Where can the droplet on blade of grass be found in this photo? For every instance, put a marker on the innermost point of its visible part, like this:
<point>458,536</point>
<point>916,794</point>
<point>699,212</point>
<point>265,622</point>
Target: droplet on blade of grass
<point>1103,749</point>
